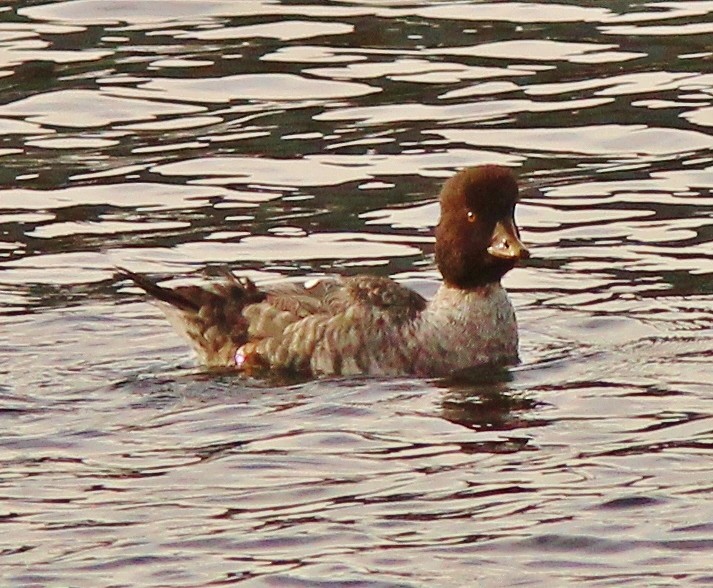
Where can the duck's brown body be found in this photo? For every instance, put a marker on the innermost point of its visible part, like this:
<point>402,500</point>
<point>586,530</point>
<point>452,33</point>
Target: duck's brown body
<point>368,324</point>
<point>359,325</point>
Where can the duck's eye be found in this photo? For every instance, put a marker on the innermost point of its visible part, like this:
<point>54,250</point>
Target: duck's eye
<point>471,216</point>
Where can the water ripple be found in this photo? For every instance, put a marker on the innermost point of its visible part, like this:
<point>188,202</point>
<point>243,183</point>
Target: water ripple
<point>292,141</point>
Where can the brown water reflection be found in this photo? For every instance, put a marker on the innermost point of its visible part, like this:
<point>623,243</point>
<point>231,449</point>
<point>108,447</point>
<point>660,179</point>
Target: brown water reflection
<point>293,140</point>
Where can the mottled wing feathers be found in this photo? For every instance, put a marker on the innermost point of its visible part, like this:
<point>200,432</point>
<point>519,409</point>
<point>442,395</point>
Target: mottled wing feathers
<point>389,297</point>
<point>334,326</point>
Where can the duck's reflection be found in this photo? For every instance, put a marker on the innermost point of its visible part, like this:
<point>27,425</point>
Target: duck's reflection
<point>482,399</point>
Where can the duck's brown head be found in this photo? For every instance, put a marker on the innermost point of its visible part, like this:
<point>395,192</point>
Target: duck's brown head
<point>477,241</point>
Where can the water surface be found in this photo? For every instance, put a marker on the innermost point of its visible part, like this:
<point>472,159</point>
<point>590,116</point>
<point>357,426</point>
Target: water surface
<point>291,140</point>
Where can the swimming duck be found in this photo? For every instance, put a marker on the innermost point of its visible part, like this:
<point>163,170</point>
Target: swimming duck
<point>370,324</point>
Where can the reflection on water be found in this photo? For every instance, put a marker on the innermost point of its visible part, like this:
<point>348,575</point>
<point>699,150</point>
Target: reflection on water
<point>292,140</point>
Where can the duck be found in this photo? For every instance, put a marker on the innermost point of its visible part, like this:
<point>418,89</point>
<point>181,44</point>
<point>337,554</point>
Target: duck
<point>366,324</point>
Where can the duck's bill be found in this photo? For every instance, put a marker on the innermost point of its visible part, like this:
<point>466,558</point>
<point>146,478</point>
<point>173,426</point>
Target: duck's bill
<point>505,242</point>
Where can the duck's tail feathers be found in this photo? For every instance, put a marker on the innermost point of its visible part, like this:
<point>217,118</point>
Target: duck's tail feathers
<point>209,316</point>
<point>167,295</point>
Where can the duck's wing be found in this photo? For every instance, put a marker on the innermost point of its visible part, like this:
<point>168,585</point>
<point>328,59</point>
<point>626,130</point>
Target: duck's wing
<point>356,325</point>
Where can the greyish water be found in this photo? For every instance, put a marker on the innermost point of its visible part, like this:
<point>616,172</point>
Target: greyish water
<point>293,139</point>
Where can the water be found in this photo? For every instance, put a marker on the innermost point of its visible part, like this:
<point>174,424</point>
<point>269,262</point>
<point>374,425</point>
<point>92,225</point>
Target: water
<point>298,139</point>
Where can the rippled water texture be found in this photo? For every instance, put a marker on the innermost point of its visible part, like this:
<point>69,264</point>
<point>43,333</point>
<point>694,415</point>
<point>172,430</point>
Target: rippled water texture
<point>293,139</point>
